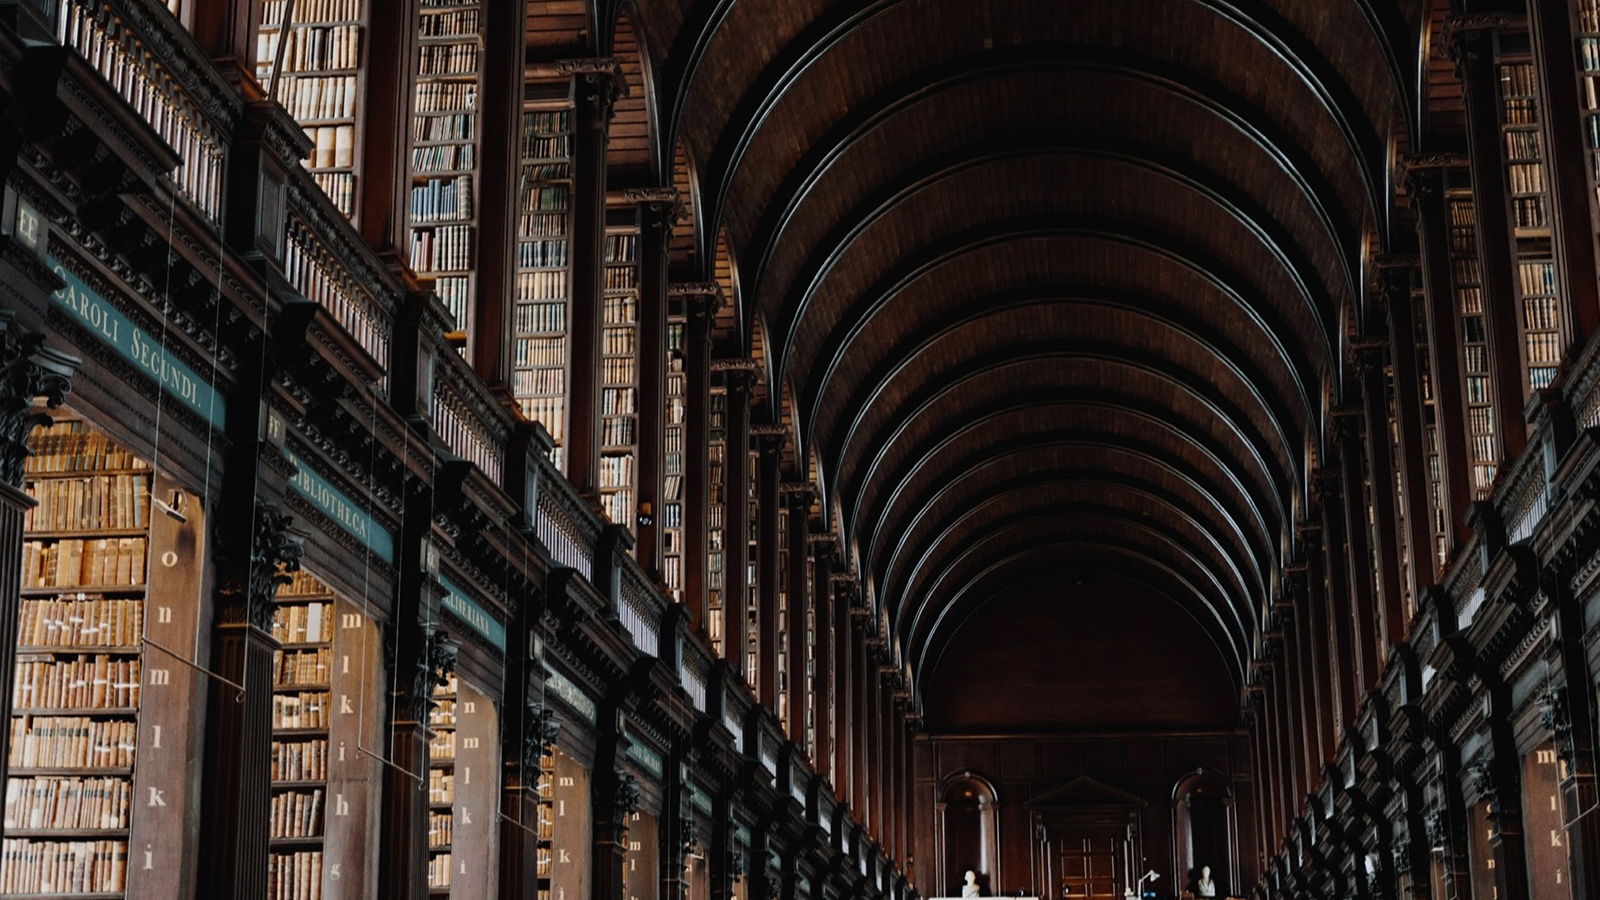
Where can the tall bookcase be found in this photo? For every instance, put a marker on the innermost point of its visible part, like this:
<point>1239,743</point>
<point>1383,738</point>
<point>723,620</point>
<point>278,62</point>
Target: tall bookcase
<point>444,150</point>
<point>76,702</point>
<point>1466,280</point>
<point>786,679</point>
<point>302,706</point>
<point>672,459</point>
<point>542,349</point>
<point>547,823</point>
<point>321,82</point>
<point>619,391</point>
<point>441,787</point>
<point>1522,145</point>
<point>716,512</point>
<point>752,570</point>
<point>1588,32</point>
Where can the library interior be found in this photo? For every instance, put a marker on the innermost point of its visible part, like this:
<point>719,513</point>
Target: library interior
<point>817,449</point>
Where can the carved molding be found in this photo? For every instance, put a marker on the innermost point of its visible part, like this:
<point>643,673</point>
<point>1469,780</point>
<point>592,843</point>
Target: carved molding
<point>28,370</point>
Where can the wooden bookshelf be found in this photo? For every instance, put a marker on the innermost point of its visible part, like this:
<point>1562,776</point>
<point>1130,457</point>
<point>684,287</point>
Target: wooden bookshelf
<point>1466,282</point>
<point>672,460</point>
<point>321,81</point>
<point>619,391</point>
<point>752,570</point>
<point>542,351</point>
<point>301,747</point>
<point>80,666</point>
<point>1587,26</point>
<point>547,824</point>
<point>444,151</point>
<point>1528,186</point>
<point>716,511</point>
<point>442,786</point>
<point>785,678</point>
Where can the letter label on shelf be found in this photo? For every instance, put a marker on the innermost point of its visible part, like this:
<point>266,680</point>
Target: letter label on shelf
<point>164,615</point>
<point>160,677</point>
<point>156,799</point>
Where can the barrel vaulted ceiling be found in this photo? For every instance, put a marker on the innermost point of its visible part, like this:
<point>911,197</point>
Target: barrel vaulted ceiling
<point>1057,287</point>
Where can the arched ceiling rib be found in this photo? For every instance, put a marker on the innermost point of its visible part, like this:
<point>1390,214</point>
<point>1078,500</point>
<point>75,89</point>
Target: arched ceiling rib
<point>1057,287</point>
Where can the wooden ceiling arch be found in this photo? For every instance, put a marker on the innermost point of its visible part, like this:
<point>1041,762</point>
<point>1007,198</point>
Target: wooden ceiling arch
<point>1043,287</point>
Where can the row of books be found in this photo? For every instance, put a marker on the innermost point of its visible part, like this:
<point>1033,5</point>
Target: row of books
<point>86,682</point>
<point>442,200</point>
<point>340,188</point>
<point>446,96</point>
<point>545,197</point>
<point>63,867</point>
<point>618,401</point>
<point>447,248</point>
<point>439,870</point>
<point>622,248</point>
<point>296,814</point>
<point>619,431</point>
<point>441,787</point>
<point>534,224</point>
<point>71,742</point>
<point>448,59</point>
<point>332,146</point>
<point>1588,16</point>
<point>315,49</point>
<point>539,148</point>
<point>75,562</point>
<point>542,254</point>
<point>617,369</point>
<point>443,158</point>
<point>553,122</point>
<point>541,351</point>
<point>311,97</point>
<point>616,471</point>
<point>82,620</point>
<point>622,278</point>
<point>441,828</point>
<point>295,876</point>
<point>618,342</point>
<point>442,746</point>
<point>551,412</point>
<point>548,284</point>
<point>455,292</point>
<point>454,22</point>
<point>1526,178</point>
<point>307,709</point>
<point>545,170</point>
<point>312,11</point>
<point>1528,212</point>
<point>66,447</point>
<point>1537,277</point>
<point>621,310</point>
<point>527,382</point>
<point>302,760</point>
<point>302,623</point>
<point>302,666</point>
<point>447,127</point>
<point>541,318</point>
<point>58,802</point>
<point>1523,145</point>
<point>443,714</point>
<point>94,503</point>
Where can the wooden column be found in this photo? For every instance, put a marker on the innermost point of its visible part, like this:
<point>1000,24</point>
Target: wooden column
<point>657,213</point>
<point>1272,761</point>
<point>1317,630</point>
<point>1282,692</point>
<point>701,302</point>
<point>1427,188</point>
<point>1253,712</point>
<point>798,499</point>
<point>530,731</point>
<point>1572,218</point>
<point>499,176</point>
<point>1358,550</point>
<point>769,445</point>
<point>1345,665</point>
<point>872,737</point>
<point>226,31</point>
<point>736,516</point>
<point>844,685</point>
<point>615,794</point>
<point>1300,709</point>
<point>1473,52</point>
<point>1499,780</point>
<point>27,371</point>
<point>822,700</point>
<point>1415,483</point>
<point>1391,613</point>
<point>383,185</point>
<point>595,88</point>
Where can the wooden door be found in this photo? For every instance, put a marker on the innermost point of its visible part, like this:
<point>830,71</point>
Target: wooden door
<point>1090,867</point>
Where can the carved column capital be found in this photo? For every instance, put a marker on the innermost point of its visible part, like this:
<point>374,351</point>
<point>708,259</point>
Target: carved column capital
<point>28,370</point>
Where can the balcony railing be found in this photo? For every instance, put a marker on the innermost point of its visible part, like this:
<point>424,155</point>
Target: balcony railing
<point>327,262</point>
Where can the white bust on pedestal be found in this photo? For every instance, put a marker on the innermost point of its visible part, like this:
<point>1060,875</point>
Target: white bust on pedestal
<point>1205,887</point>
<point>969,886</point>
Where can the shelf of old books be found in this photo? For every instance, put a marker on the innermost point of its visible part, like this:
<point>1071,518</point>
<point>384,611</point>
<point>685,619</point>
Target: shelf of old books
<point>462,737</point>
<point>1588,35</point>
<point>86,697</point>
<point>716,518</point>
<point>444,150</point>
<point>322,677</point>
<point>313,64</point>
<point>567,862</point>
<point>1537,292</point>
<point>752,570</point>
<point>1466,282</point>
<point>619,389</point>
<point>541,349</point>
<point>547,823</point>
<point>672,458</point>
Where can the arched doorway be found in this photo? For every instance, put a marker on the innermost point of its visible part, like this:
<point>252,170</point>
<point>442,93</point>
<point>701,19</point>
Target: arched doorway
<point>1203,822</point>
<point>968,838</point>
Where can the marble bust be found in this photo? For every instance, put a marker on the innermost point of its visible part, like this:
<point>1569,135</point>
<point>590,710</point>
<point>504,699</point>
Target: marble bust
<point>969,886</point>
<point>1205,887</point>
